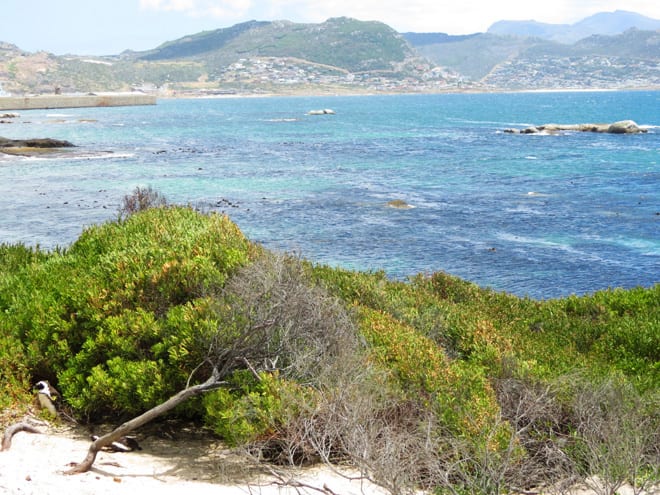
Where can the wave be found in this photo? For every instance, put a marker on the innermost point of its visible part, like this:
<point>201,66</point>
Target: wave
<point>645,247</point>
<point>537,241</point>
<point>68,156</point>
<point>292,119</point>
<point>491,122</point>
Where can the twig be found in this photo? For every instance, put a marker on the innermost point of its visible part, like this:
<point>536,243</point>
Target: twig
<point>250,367</point>
<point>12,430</point>
<point>293,483</point>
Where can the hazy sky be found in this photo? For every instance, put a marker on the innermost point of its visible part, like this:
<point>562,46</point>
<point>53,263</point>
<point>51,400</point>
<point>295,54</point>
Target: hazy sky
<point>104,27</point>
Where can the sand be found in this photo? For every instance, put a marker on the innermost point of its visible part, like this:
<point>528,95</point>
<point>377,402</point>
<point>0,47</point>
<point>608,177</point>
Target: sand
<point>35,464</point>
<point>191,463</point>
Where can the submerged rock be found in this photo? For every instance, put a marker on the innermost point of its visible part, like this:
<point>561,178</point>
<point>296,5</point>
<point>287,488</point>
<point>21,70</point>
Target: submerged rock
<point>399,204</point>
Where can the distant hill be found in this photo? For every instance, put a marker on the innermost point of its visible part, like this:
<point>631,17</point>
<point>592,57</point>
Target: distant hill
<point>630,59</point>
<point>344,55</point>
<point>627,60</point>
<point>344,43</point>
<point>339,55</point>
<point>604,23</point>
<point>199,44</point>
<point>422,39</point>
<point>476,56</point>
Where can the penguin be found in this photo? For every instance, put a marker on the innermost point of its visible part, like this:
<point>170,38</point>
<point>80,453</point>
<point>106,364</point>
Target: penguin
<point>48,396</point>
<point>123,444</point>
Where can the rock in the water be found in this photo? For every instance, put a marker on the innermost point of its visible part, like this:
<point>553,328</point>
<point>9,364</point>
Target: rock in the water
<point>29,147</point>
<point>621,127</point>
<point>625,127</point>
<point>34,143</point>
<point>399,204</point>
<point>325,111</point>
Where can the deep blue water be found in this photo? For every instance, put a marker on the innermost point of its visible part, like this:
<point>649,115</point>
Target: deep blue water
<point>543,216</point>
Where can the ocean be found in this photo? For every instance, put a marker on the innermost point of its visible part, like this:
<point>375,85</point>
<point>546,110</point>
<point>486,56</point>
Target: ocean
<point>542,216</point>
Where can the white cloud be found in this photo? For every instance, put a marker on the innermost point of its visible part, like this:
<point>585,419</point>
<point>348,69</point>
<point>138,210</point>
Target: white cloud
<point>199,8</point>
<point>453,17</point>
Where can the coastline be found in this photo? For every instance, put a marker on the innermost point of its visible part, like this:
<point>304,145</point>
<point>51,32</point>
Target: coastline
<point>115,99</point>
<point>324,92</point>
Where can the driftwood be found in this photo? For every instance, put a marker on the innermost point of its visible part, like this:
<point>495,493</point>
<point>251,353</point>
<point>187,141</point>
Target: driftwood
<point>106,440</point>
<point>12,430</point>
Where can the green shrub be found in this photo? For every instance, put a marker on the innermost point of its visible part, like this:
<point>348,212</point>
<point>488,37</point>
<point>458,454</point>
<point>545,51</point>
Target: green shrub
<point>97,318</point>
<point>461,392</point>
<point>251,410</point>
<point>141,199</point>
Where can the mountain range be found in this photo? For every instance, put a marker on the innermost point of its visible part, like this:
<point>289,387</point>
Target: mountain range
<point>608,50</point>
<point>604,23</point>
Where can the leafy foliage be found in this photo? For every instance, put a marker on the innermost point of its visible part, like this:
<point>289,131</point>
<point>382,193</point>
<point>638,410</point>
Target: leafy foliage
<point>430,382</point>
<point>102,319</point>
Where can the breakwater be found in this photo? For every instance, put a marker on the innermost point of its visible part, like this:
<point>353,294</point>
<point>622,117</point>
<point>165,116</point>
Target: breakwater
<point>74,101</point>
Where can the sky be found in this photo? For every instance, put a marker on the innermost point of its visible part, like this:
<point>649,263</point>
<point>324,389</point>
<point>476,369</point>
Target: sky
<point>108,27</point>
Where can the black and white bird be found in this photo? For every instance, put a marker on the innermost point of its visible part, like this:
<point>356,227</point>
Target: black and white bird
<point>123,444</point>
<point>48,397</point>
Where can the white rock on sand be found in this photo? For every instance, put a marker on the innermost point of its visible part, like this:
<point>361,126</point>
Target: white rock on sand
<point>35,464</point>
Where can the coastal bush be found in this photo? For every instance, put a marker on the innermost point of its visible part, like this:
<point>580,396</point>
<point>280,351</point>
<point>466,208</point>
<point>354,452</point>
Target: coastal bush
<point>303,338</point>
<point>93,319</point>
<point>430,382</point>
<point>14,375</point>
<point>142,198</point>
<point>254,410</point>
<point>491,338</point>
<point>616,434</point>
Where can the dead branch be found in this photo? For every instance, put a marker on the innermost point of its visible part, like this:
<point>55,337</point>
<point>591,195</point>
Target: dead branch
<point>286,481</point>
<point>212,383</point>
<point>12,430</point>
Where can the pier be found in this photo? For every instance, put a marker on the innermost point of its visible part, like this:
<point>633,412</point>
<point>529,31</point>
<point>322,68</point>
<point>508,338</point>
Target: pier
<point>75,101</point>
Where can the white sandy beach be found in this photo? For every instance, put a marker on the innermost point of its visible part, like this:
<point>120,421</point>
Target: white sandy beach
<point>35,464</point>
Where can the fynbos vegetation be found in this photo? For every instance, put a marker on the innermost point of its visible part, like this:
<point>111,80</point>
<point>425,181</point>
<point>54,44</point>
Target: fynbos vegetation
<point>431,383</point>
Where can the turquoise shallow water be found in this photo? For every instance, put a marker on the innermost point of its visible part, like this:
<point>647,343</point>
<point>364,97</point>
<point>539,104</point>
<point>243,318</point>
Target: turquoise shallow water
<point>544,216</point>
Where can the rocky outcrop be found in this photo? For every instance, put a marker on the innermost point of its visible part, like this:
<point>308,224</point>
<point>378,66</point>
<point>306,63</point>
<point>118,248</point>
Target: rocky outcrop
<point>28,147</point>
<point>325,111</point>
<point>620,127</point>
<point>625,127</point>
<point>7,118</point>
<point>399,204</point>
<point>34,143</point>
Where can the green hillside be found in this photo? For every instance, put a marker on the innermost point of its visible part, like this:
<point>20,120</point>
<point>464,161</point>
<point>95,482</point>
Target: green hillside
<point>199,44</point>
<point>345,43</point>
